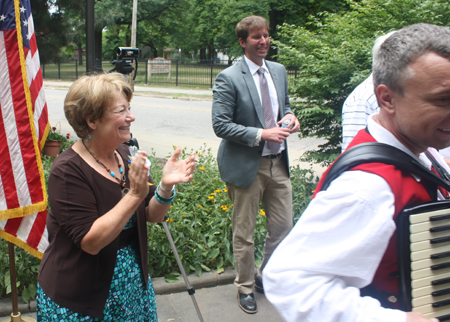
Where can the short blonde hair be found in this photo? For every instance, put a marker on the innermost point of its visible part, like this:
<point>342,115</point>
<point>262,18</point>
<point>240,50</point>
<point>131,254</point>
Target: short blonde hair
<point>90,96</point>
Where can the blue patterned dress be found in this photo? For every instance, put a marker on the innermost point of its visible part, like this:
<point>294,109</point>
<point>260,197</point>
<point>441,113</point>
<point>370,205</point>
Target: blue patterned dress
<point>128,300</point>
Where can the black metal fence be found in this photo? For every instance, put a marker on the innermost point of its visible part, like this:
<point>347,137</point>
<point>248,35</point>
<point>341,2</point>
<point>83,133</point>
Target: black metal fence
<point>176,72</point>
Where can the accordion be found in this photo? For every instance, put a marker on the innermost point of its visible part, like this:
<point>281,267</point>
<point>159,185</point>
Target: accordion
<point>424,259</point>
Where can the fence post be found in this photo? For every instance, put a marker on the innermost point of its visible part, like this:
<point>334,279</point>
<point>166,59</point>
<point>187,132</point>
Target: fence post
<point>43,71</point>
<point>176,74</point>
<point>76,69</point>
<point>146,71</point>
<point>59,70</point>
<point>212,67</point>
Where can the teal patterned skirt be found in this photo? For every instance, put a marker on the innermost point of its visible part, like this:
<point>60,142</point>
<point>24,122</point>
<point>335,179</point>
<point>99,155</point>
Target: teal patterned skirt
<point>128,300</point>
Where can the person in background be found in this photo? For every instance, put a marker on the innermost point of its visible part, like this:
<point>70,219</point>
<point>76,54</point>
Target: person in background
<point>340,263</point>
<point>95,267</point>
<point>361,103</point>
<point>250,102</point>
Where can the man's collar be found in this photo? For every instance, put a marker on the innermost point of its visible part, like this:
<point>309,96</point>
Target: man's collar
<point>253,67</point>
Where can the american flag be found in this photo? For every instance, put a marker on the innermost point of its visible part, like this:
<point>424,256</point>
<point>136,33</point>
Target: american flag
<point>23,130</point>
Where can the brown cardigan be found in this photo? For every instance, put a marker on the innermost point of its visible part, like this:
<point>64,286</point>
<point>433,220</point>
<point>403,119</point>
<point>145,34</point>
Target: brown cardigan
<point>78,195</point>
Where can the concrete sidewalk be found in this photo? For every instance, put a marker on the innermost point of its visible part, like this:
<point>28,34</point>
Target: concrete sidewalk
<point>215,294</point>
<point>149,89</point>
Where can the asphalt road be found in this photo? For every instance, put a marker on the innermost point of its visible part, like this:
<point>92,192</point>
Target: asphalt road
<point>163,122</point>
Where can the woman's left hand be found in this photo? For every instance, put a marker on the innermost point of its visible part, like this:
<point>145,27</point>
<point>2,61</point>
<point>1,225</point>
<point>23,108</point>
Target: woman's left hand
<point>178,171</point>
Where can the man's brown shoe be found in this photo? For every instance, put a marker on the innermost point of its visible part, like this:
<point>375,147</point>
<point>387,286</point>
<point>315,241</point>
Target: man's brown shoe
<point>247,303</point>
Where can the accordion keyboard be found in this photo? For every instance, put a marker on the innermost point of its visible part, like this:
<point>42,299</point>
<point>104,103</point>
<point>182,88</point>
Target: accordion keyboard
<point>430,263</point>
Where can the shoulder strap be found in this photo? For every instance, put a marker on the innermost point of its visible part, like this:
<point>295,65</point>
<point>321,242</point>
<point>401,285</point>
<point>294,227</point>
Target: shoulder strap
<point>375,152</point>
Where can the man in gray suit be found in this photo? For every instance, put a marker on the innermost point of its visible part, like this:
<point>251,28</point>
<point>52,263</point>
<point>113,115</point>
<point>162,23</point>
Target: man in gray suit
<point>250,103</point>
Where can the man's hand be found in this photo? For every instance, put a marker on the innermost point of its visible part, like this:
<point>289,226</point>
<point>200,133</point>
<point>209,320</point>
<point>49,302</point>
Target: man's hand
<point>276,134</point>
<point>418,317</point>
<point>294,125</point>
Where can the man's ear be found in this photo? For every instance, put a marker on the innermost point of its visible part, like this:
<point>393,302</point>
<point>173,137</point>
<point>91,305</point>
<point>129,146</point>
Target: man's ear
<point>242,43</point>
<point>386,98</point>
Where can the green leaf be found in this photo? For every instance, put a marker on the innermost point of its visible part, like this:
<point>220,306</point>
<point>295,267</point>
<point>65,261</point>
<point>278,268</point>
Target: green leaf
<point>215,252</point>
<point>198,270</point>
<point>33,289</point>
<point>171,279</point>
<point>26,295</point>
<point>205,268</point>
<point>219,262</point>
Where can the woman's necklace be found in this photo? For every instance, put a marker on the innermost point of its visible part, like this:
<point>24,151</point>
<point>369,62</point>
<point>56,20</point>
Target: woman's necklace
<point>122,181</point>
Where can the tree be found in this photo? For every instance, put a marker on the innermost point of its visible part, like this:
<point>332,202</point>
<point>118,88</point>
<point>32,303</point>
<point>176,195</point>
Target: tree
<point>334,52</point>
<point>50,29</point>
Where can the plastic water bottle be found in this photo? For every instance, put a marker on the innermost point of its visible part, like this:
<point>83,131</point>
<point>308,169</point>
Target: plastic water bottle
<point>285,123</point>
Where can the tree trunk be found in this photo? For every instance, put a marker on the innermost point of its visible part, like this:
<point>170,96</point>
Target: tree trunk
<point>98,49</point>
<point>273,34</point>
<point>80,54</point>
<point>202,53</point>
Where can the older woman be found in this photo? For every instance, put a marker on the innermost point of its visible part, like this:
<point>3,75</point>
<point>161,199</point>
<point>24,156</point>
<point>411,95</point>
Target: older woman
<point>96,268</point>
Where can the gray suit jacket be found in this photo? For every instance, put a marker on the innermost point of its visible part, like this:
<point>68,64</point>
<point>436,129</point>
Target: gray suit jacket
<point>236,116</point>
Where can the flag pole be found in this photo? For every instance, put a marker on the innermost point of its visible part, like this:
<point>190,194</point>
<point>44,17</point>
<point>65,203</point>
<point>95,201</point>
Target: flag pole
<point>15,315</point>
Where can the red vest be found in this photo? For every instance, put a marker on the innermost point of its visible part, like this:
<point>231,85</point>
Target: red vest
<point>407,192</point>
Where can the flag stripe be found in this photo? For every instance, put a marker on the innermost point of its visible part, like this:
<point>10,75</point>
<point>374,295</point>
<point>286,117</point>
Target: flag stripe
<point>6,126</point>
<point>23,130</point>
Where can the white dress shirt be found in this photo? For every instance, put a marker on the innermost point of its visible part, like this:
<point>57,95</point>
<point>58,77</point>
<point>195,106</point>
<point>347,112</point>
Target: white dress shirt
<point>359,105</point>
<point>335,248</point>
<point>273,99</point>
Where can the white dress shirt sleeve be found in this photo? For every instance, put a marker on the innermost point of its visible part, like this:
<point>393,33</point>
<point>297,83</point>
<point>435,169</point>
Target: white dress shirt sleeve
<point>333,250</point>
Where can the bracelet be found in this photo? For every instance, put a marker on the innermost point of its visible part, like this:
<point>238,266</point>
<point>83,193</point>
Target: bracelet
<point>160,187</point>
<point>163,200</point>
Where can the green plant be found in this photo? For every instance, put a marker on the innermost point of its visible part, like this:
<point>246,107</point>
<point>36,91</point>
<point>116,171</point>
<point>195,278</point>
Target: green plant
<point>304,181</point>
<point>200,223</point>
<point>27,268</point>
<point>55,134</point>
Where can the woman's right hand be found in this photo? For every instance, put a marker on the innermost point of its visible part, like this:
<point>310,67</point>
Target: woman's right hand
<point>138,176</point>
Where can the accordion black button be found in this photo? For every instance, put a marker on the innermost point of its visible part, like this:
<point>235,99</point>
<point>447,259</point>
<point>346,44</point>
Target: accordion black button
<point>441,281</point>
<point>441,303</point>
<point>441,292</point>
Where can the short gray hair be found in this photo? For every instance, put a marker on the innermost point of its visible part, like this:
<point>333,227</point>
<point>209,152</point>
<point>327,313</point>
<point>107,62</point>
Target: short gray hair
<point>378,42</point>
<point>391,64</point>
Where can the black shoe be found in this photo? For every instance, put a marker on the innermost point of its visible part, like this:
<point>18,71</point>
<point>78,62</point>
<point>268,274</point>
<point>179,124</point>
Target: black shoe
<point>247,303</point>
<point>258,284</point>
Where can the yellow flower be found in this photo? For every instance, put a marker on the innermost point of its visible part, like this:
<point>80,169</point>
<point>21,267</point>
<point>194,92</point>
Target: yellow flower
<point>169,220</point>
<point>225,190</point>
<point>199,206</point>
<point>218,190</point>
<point>211,197</point>
<point>261,212</point>
<point>213,193</point>
<point>202,168</point>
<point>183,215</point>
<point>199,154</point>
<point>224,207</point>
